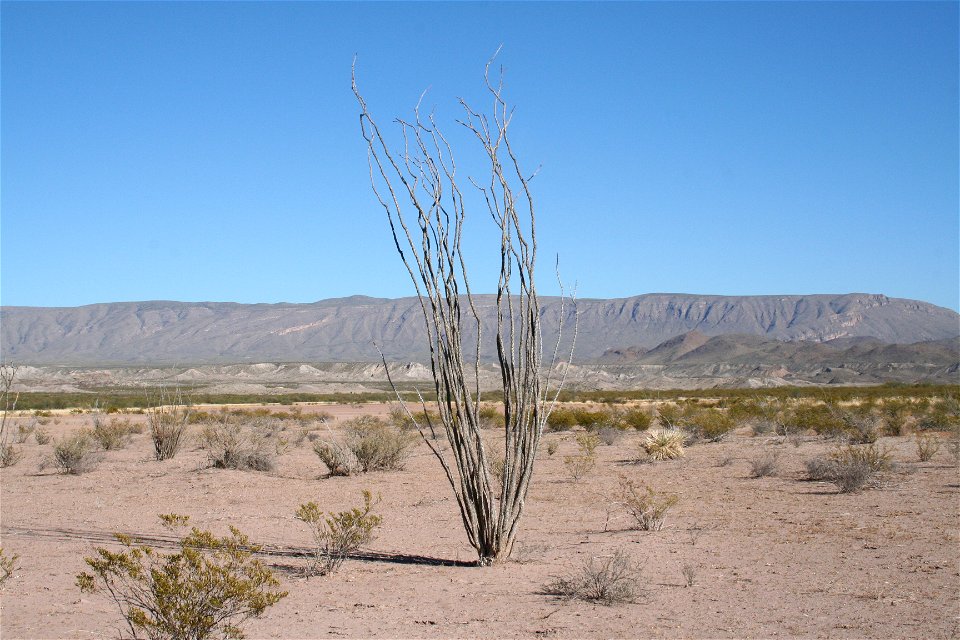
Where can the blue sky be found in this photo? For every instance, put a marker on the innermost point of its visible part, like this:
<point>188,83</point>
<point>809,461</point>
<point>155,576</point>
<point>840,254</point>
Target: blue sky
<point>193,151</point>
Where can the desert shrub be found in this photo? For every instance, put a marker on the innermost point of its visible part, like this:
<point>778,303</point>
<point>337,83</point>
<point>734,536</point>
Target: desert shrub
<point>336,535</point>
<point>942,415</point>
<point>234,445</point>
<point>168,427</point>
<point>583,463</point>
<point>859,424</point>
<point>8,564</point>
<point>552,446</point>
<point>9,455</point>
<point>820,468</point>
<point>24,431</point>
<point>647,507</point>
<point>710,424</point>
<point>637,418</point>
<point>894,415</point>
<point>74,454</point>
<point>764,465</point>
<point>206,589</point>
<point>42,436</point>
<point>113,434</point>
<point>927,446</point>
<point>609,435</point>
<point>857,466</point>
<point>815,417</point>
<point>593,420</point>
<point>561,419</point>
<point>490,417</point>
<point>670,416</point>
<point>375,445</point>
<point>497,469</point>
<point>612,581</point>
<point>663,444</point>
<point>338,460</point>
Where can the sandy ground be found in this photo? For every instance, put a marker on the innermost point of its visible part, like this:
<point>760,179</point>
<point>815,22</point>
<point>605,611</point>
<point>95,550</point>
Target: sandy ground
<point>772,557</point>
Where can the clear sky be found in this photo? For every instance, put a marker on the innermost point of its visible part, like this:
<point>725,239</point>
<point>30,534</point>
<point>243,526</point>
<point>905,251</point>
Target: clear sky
<point>193,151</point>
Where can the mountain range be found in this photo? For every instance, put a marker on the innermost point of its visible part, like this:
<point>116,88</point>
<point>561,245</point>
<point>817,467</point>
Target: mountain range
<point>351,329</point>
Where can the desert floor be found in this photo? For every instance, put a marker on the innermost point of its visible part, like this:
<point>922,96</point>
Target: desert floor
<point>771,557</point>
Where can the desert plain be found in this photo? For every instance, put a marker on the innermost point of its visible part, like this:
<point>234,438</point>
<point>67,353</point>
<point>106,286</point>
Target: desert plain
<point>737,556</point>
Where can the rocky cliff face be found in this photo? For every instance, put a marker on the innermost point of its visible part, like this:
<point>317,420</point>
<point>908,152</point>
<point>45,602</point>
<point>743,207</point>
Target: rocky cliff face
<point>345,330</point>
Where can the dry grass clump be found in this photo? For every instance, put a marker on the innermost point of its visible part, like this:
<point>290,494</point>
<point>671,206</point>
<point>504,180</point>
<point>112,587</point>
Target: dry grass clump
<point>615,580</point>
<point>663,444</point>
<point>647,507</point>
<point>337,535</point>
<point>205,589</point>
<point>765,465</point>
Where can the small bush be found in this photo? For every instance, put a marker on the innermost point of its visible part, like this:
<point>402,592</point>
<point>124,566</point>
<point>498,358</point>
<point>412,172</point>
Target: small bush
<point>339,461</point>
<point>42,436</point>
<point>113,434</point>
<point>337,535</point>
<point>647,507</point>
<point>765,465</point>
<point>490,417</point>
<point>561,419</point>
<point>206,589</point>
<point>610,435</point>
<point>375,445</point>
<point>74,454</point>
<point>857,467</point>
<point>612,581</point>
<point>711,424</point>
<point>24,431</point>
<point>8,564</point>
<point>639,419</point>
<point>9,455</point>
<point>927,446</point>
<point>580,465</point>
<point>819,469</point>
<point>552,446</point>
<point>234,445</point>
<point>168,426</point>
<point>664,444</point>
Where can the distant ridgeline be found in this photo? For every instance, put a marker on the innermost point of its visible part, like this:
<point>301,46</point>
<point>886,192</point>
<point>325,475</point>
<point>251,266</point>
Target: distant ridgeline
<point>654,328</point>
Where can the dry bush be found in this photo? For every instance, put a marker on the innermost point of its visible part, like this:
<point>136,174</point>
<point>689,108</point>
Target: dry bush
<point>647,507</point>
<point>615,580</point>
<point>820,468</point>
<point>168,428</point>
<point>552,446</point>
<point>663,444</point>
<point>766,464</point>
<point>337,535</point>
<point>858,466</point>
<point>24,431</point>
<point>610,435</point>
<point>375,445</point>
<point>8,564</point>
<point>580,465</point>
<point>689,575</point>
<point>42,436</point>
<point>74,454</point>
<point>111,434</point>
<point>232,444</point>
<point>338,460</point>
<point>928,445</point>
<point>206,589</point>
<point>9,454</point>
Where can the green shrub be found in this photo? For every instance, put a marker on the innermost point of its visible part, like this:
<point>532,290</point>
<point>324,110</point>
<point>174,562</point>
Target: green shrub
<point>206,589</point>
<point>337,535</point>
<point>561,419</point>
<point>710,424</point>
<point>815,417</point>
<point>637,418</point>
<point>580,465</point>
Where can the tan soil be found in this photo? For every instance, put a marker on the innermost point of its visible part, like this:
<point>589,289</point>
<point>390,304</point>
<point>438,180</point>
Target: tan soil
<point>775,557</point>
